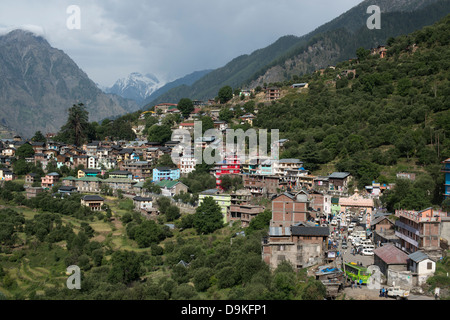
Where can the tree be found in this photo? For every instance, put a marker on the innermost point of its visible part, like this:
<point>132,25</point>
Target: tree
<point>173,213</point>
<point>76,127</point>
<point>25,151</point>
<point>208,216</point>
<point>160,134</point>
<point>126,267</point>
<point>362,53</point>
<point>186,106</point>
<point>225,94</point>
<point>38,137</point>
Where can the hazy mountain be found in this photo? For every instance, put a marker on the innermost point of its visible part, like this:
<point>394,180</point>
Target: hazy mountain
<point>136,86</point>
<point>187,80</point>
<point>334,41</point>
<point>39,83</point>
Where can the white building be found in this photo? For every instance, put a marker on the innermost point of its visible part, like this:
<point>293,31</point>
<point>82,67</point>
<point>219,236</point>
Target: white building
<point>421,266</point>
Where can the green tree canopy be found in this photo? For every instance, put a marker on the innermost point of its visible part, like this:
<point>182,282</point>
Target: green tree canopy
<point>208,216</point>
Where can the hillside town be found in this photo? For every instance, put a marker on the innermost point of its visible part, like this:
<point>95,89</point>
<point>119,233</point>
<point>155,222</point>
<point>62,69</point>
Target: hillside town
<point>320,222</point>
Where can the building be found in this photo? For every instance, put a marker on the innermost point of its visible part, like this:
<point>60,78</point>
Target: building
<point>243,213</point>
<point>142,203</point>
<point>165,173</point>
<point>419,230</point>
<point>32,192</point>
<point>273,93</point>
<point>390,260</point>
<point>289,209</point>
<point>6,174</point>
<point>121,174</point>
<point>421,267</point>
<point>339,181</point>
<point>89,173</point>
<point>30,178</point>
<point>187,164</point>
<point>222,199</point>
<point>230,165</point>
<point>140,170</point>
<point>67,190</point>
<point>261,185</point>
<point>301,245</point>
<point>50,180</point>
<point>383,228</point>
<point>170,188</point>
<point>94,203</point>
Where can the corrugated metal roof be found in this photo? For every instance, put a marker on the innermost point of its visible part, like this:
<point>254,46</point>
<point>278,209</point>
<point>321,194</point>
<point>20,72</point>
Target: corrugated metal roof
<point>339,175</point>
<point>418,256</point>
<point>310,231</point>
<point>390,254</point>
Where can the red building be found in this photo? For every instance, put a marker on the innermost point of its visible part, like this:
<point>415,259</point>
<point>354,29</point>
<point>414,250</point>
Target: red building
<point>230,165</point>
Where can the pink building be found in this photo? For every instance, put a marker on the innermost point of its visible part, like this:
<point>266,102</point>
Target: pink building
<point>49,180</point>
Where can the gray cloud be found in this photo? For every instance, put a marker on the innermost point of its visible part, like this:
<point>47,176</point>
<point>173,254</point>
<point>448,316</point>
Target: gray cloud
<point>166,38</point>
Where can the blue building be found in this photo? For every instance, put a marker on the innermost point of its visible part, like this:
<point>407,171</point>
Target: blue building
<point>165,173</point>
<point>446,170</point>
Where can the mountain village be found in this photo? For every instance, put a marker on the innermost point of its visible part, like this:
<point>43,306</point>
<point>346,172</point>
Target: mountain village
<point>322,223</point>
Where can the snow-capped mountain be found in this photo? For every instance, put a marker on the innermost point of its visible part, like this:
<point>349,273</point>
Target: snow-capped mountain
<point>136,86</point>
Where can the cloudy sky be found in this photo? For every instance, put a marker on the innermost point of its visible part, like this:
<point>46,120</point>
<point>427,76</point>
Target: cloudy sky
<point>168,38</point>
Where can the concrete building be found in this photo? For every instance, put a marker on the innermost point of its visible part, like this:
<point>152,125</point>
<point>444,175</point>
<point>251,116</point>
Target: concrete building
<point>93,202</point>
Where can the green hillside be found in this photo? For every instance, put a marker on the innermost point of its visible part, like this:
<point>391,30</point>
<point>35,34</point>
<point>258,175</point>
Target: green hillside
<point>392,116</point>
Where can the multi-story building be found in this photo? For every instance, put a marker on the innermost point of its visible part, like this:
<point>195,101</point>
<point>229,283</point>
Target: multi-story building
<point>49,180</point>
<point>261,185</point>
<point>230,165</point>
<point>165,173</point>
<point>289,209</point>
<point>94,203</point>
<point>222,199</point>
<point>187,164</point>
<point>419,230</point>
<point>140,170</point>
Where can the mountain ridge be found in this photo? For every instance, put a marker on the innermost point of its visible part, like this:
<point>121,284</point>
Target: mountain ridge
<point>39,83</point>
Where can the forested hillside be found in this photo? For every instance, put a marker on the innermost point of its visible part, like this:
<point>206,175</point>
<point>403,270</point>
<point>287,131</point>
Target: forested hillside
<point>392,116</point>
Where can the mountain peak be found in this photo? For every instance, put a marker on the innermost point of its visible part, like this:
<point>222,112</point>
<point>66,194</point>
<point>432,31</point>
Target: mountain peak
<point>136,86</point>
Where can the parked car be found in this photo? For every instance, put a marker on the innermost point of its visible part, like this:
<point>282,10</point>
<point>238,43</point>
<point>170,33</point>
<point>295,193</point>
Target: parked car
<point>367,252</point>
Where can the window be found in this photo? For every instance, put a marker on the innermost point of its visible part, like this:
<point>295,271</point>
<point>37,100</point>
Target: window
<point>429,266</point>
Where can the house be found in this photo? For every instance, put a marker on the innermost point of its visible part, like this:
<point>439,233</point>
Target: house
<point>67,190</point>
<point>165,107</point>
<point>230,165</point>
<point>261,185</point>
<point>300,85</point>
<point>89,173</point>
<point>248,118</point>
<point>50,180</point>
<point>302,245</point>
<point>30,178</point>
<point>243,213</point>
<point>124,184</point>
<point>392,262</point>
<point>421,267</point>
<point>165,173</point>
<point>383,228</point>
<point>272,93</point>
<point>289,209</point>
<point>142,203</point>
<point>121,174</point>
<point>94,202</point>
<point>32,192</point>
<point>88,184</point>
<point>222,199</point>
<point>339,180</point>
<point>187,164</point>
<point>420,230</point>
<point>170,188</point>
<point>6,174</point>
<point>140,170</point>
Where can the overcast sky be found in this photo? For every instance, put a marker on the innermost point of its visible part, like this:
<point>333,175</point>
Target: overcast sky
<point>168,38</point>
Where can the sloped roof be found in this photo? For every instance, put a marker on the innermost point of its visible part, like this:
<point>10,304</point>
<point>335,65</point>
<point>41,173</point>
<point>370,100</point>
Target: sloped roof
<point>390,254</point>
<point>339,175</point>
<point>418,256</point>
